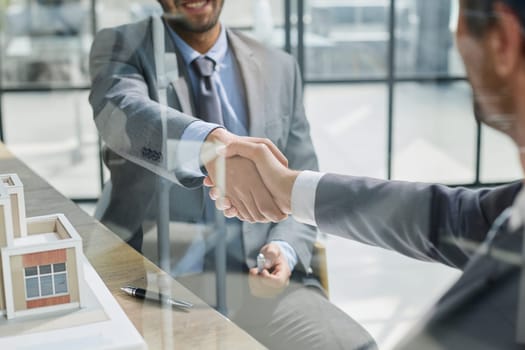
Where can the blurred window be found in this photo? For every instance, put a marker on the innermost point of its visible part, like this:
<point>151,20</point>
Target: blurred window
<point>45,44</point>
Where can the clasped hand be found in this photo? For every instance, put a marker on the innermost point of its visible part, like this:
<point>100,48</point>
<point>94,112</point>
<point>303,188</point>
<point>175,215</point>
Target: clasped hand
<point>258,183</point>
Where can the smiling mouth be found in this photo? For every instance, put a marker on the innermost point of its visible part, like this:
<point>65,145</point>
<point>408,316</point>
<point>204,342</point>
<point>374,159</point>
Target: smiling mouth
<point>195,5</point>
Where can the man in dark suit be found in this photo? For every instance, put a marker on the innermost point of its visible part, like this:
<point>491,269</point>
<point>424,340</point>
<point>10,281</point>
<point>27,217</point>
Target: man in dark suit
<point>160,88</point>
<point>479,231</point>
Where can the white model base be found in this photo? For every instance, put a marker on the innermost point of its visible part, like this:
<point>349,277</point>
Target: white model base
<point>101,324</point>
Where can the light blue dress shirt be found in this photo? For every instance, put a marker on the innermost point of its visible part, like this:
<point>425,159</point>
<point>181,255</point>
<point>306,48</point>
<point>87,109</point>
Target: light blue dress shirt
<point>229,85</point>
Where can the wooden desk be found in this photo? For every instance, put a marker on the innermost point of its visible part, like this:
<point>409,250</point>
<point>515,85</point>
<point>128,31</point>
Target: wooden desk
<point>118,264</point>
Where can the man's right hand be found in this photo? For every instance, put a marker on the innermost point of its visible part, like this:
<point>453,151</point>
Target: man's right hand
<point>244,189</point>
<point>277,178</point>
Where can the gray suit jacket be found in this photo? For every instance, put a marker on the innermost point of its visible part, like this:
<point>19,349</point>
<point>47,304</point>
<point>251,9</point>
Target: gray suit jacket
<point>127,113</point>
<point>449,225</point>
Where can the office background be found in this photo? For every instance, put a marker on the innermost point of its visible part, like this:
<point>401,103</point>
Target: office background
<point>385,94</point>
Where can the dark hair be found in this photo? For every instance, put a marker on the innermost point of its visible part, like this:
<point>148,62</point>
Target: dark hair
<point>481,13</point>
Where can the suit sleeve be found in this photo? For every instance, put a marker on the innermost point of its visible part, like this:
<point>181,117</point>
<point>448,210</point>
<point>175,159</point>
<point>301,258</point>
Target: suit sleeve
<point>424,221</point>
<point>301,156</point>
<point>124,100</point>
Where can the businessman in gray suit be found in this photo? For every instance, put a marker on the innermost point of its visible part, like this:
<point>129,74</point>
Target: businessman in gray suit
<point>479,231</point>
<point>162,88</point>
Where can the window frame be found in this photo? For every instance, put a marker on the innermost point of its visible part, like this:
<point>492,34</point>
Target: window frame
<point>38,276</point>
<point>294,24</point>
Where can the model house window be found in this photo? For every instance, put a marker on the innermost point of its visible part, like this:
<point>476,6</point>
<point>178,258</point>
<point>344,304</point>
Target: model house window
<point>45,280</point>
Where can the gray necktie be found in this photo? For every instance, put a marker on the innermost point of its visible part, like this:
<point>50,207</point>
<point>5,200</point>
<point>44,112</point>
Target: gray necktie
<point>208,102</point>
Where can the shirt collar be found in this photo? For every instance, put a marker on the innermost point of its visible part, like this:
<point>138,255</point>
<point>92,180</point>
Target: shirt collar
<point>217,52</point>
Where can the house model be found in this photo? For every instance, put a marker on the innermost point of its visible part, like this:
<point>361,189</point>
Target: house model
<point>41,258</point>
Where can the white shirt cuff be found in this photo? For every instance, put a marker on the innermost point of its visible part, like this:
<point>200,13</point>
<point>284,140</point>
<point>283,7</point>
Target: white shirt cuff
<point>189,147</point>
<point>303,196</point>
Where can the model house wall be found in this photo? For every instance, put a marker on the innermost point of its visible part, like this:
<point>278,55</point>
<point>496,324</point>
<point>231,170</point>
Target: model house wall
<point>40,261</point>
<point>15,191</point>
<point>5,234</point>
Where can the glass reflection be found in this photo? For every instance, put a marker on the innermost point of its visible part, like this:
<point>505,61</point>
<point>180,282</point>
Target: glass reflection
<point>174,226</point>
<point>161,106</point>
<point>46,42</point>
<point>349,39</point>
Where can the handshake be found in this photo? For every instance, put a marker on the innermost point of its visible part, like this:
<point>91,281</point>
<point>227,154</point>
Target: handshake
<point>258,184</point>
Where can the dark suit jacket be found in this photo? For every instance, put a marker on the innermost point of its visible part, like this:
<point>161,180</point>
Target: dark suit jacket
<point>127,113</point>
<point>448,225</point>
<point>480,311</point>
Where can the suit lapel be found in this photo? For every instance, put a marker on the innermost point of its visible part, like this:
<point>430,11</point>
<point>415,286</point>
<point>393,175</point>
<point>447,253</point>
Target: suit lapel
<point>253,80</point>
<point>181,89</point>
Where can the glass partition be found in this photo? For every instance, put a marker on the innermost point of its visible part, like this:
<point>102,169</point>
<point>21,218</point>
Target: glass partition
<point>382,99</point>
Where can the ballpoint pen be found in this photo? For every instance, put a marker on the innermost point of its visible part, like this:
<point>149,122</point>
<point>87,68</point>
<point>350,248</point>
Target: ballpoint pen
<point>149,295</point>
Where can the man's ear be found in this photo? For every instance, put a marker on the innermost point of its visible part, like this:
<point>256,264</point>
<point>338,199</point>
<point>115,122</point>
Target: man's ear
<point>505,41</point>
